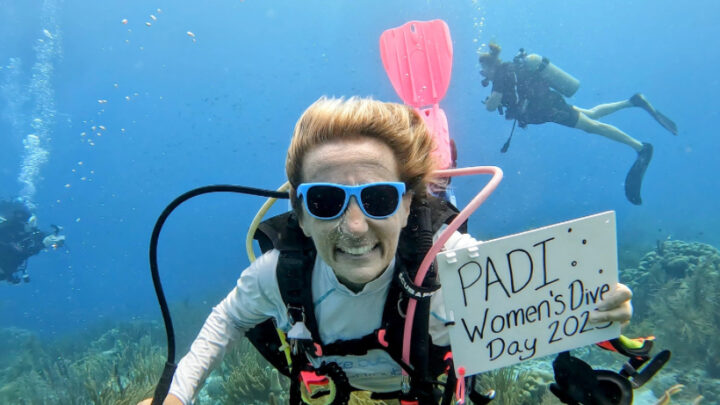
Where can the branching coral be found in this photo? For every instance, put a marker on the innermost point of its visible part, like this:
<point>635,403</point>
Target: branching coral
<point>686,313</point>
<point>514,386</point>
<point>120,367</point>
<point>671,260</point>
<point>677,298</point>
<point>248,378</point>
<point>363,398</point>
<point>123,376</point>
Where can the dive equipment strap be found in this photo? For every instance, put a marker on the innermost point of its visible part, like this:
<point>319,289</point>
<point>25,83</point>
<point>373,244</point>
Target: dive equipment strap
<point>421,387</point>
<point>327,381</point>
<point>297,254</point>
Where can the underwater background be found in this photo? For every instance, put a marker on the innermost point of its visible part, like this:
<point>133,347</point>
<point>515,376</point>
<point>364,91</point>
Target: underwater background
<point>111,109</point>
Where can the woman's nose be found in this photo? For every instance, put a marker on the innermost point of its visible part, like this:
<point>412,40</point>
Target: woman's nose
<point>354,220</point>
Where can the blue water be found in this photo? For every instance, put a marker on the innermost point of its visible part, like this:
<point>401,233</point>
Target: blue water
<point>221,110</point>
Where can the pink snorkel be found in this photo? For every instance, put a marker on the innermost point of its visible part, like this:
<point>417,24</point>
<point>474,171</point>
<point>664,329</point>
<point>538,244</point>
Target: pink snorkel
<point>417,58</point>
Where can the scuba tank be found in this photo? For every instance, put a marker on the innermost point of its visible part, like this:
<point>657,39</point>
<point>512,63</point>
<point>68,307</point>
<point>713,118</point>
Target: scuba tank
<point>558,79</point>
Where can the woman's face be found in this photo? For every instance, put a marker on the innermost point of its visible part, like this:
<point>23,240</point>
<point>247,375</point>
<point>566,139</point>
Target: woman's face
<point>357,248</point>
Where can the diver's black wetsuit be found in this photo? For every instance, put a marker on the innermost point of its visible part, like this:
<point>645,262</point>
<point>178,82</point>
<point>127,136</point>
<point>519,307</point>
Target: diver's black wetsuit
<point>14,254</point>
<point>528,98</point>
<point>17,243</point>
<point>11,262</point>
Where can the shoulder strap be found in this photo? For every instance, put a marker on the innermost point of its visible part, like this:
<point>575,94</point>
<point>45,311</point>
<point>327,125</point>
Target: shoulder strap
<point>294,268</point>
<point>294,274</point>
<point>269,231</point>
<point>427,216</point>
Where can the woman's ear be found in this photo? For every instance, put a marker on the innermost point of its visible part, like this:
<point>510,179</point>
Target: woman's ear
<point>301,221</point>
<point>405,207</point>
<point>296,206</point>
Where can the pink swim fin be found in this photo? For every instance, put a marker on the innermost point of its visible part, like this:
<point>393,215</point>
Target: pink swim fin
<point>436,120</point>
<point>417,57</point>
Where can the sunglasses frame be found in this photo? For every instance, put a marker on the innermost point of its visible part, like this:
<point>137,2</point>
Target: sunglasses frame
<point>351,191</point>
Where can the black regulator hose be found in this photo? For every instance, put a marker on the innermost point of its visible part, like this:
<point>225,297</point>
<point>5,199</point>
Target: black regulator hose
<point>163,385</point>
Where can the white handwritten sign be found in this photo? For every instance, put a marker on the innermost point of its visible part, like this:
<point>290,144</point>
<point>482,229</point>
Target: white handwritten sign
<point>529,295</point>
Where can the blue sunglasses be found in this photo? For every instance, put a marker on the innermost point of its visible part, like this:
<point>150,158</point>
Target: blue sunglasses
<point>330,200</point>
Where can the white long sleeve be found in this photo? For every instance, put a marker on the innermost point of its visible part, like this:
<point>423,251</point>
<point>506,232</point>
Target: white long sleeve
<point>341,315</point>
<point>251,302</point>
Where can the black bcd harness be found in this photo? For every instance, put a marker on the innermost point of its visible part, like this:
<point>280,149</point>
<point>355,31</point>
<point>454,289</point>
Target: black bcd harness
<point>294,275</point>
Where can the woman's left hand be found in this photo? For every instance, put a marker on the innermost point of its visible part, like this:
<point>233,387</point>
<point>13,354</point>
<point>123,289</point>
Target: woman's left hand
<point>616,306</point>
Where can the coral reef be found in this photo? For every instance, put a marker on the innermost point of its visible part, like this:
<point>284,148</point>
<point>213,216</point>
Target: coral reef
<point>515,386</point>
<point>363,398</point>
<point>671,260</point>
<point>120,367</point>
<point>665,398</point>
<point>247,378</point>
<point>677,298</point>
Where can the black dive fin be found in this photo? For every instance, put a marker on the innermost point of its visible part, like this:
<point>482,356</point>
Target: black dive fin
<point>507,143</point>
<point>666,122</point>
<point>643,376</point>
<point>639,100</point>
<point>633,181</point>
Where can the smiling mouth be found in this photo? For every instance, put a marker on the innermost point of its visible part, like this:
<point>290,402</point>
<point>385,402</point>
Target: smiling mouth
<point>357,250</point>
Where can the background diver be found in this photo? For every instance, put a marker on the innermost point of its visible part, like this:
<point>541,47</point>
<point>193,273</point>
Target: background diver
<point>20,239</point>
<point>531,90</point>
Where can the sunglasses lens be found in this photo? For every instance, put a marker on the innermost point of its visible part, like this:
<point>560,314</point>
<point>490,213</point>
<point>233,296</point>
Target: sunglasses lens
<point>380,200</point>
<point>325,201</point>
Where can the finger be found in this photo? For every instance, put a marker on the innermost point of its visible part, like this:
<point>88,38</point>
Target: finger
<point>617,296</point>
<point>622,314</point>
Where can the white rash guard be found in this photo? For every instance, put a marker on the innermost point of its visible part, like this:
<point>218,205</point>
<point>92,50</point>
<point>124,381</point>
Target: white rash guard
<point>340,313</point>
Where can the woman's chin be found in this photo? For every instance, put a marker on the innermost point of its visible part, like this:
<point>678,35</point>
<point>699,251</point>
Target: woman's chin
<point>356,270</point>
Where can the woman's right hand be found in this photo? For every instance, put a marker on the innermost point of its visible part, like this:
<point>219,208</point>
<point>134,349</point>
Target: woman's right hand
<point>169,400</point>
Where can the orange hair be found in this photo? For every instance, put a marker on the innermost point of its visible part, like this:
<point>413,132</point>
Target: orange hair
<point>397,125</point>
